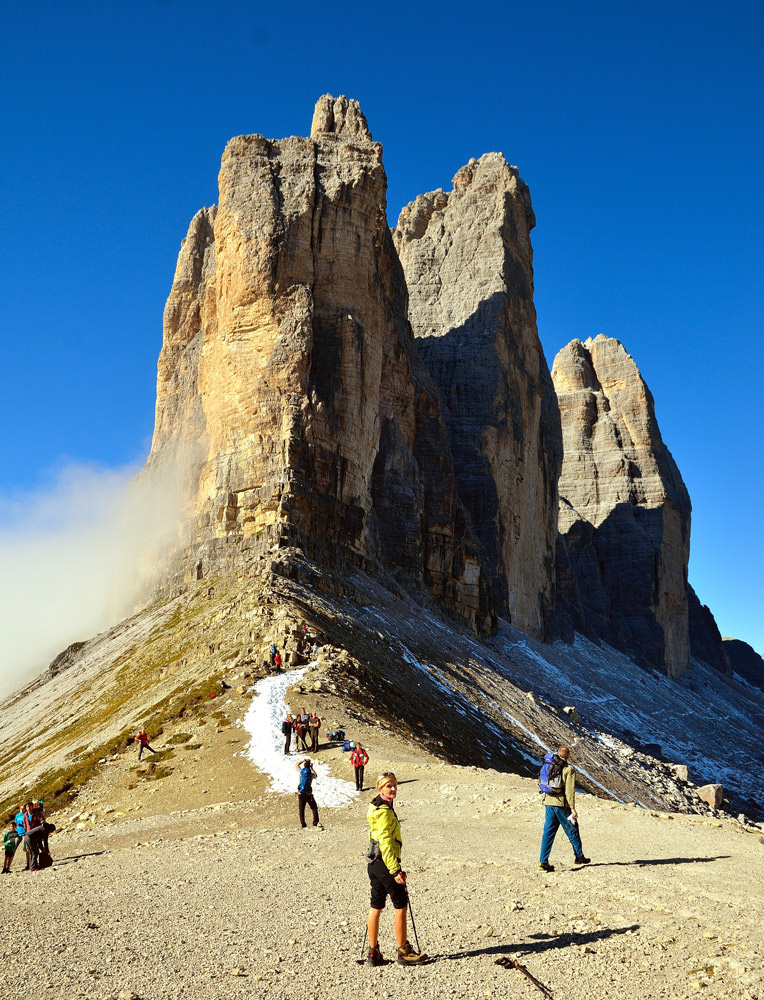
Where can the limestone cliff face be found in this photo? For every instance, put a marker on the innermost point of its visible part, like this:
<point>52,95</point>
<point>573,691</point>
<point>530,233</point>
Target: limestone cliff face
<point>289,374</point>
<point>624,510</point>
<point>468,263</point>
<point>706,641</point>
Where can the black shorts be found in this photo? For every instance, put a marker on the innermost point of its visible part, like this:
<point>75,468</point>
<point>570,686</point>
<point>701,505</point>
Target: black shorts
<point>383,885</point>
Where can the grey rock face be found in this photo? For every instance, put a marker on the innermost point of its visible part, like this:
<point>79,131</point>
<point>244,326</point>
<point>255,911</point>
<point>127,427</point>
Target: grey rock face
<point>468,263</point>
<point>745,661</point>
<point>624,510</point>
<point>289,379</point>
<point>705,638</point>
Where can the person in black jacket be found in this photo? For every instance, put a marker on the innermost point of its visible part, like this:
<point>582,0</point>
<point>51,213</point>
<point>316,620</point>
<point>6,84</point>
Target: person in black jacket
<point>286,729</point>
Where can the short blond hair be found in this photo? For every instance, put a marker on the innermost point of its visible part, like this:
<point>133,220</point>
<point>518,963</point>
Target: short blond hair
<point>386,779</point>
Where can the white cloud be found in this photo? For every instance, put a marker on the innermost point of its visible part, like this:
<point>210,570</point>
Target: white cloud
<point>74,558</point>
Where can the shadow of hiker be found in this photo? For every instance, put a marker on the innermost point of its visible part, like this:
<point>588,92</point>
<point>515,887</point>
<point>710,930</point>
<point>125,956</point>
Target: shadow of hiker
<point>76,857</point>
<point>540,943</point>
<point>644,862</point>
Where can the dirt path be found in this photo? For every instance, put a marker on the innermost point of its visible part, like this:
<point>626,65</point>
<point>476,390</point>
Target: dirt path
<point>200,884</point>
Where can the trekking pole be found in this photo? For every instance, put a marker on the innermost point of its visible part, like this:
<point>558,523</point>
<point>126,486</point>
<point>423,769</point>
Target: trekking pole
<point>413,927</point>
<point>363,946</point>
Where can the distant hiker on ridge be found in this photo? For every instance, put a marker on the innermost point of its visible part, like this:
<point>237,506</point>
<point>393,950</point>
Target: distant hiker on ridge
<point>558,783</point>
<point>305,791</point>
<point>143,743</point>
<point>385,873</point>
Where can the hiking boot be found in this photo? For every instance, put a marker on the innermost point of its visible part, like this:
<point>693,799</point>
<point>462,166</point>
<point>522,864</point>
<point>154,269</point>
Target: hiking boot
<point>408,956</point>
<point>375,956</point>
<point>581,860</point>
<point>544,866</point>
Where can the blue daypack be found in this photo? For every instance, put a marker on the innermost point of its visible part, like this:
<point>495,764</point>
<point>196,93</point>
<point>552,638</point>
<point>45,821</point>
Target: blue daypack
<point>550,777</point>
<point>306,781</point>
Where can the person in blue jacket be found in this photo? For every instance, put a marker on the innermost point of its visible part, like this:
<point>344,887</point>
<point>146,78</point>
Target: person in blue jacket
<point>305,791</point>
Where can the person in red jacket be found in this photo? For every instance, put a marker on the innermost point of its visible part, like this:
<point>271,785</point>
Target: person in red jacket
<point>359,758</point>
<point>143,743</point>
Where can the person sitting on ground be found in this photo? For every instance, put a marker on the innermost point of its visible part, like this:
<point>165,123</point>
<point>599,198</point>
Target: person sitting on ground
<point>11,841</point>
<point>386,876</point>
<point>314,726</point>
<point>143,743</point>
<point>560,811</point>
<point>305,791</point>
<point>34,818</point>
<point>286,729</point>
<point>359,758</point>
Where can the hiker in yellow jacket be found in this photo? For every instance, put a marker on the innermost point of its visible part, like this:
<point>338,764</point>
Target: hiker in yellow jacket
<point>385,873</point>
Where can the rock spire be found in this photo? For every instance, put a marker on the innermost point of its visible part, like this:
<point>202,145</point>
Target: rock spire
<point>468,263</point>
<point>289,375</point>
<point>624,509</point>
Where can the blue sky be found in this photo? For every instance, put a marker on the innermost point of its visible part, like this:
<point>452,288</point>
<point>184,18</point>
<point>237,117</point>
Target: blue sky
<point>637,127</point>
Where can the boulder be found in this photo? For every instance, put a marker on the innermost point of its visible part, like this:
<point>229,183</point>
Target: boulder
<point>712,795</point>
<point>572,711</point>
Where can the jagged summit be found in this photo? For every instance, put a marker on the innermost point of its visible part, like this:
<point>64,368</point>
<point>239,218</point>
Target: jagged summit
<point>339,116</point>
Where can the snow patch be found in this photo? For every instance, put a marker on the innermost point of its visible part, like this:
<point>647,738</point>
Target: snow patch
<point>266,749</point>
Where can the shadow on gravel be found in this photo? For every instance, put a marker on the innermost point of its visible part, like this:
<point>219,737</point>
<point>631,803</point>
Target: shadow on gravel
<point>76,857</point>
<point>642,863</point>
<point>540,943</point>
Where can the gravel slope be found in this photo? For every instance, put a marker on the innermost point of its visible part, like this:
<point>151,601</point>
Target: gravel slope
<point>202,885</point>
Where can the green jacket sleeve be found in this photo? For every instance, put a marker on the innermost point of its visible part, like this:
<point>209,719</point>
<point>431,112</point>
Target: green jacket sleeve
<point>389,845</point>
<point>385,829</point>
<point>569,774</point>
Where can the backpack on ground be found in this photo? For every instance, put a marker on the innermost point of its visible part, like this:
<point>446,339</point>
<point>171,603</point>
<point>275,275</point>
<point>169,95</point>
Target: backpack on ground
<point>44,860</point>
<point>550,777</point>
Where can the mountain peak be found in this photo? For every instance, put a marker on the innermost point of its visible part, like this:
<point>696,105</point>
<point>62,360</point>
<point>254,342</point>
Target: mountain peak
<point>339,116</point>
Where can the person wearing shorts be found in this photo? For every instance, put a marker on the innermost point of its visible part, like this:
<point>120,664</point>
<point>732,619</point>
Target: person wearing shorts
<point>385,873</point>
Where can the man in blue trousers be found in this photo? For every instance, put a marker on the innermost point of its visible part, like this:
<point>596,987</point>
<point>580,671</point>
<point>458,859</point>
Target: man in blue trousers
<point>560,809</point>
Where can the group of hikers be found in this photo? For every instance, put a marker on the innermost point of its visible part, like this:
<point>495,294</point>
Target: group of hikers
<point>557,782</point>
<point>306,729</point>
<point>29,828</point>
